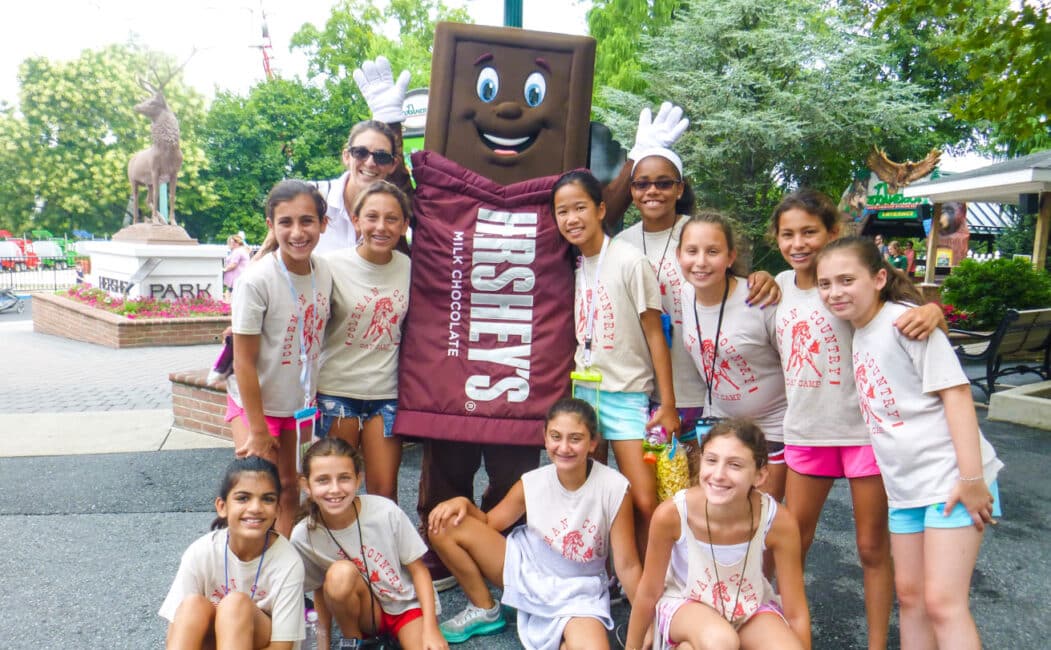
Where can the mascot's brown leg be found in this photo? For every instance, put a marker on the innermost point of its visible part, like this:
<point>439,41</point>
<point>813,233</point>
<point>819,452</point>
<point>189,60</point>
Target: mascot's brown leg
<point>505,464</point>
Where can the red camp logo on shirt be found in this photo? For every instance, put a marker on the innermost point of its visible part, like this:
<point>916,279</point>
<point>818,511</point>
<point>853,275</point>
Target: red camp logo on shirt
<point>313,330</point>
<point>875,394</point>
<point>805,367</point>
<point>384,330</point>
<point>605,323</point>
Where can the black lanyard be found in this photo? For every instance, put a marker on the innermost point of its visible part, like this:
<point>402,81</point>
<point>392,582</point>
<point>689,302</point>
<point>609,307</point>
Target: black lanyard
<point>660,265</point>
<point>709,377</point>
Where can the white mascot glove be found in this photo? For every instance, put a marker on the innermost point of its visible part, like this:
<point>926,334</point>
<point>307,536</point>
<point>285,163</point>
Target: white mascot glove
<point>659,132</point>
<point>383,95</point>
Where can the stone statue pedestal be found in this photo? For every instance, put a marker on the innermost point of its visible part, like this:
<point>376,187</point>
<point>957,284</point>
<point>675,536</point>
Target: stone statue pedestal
<point>169,270</point>
<point>155,233</point>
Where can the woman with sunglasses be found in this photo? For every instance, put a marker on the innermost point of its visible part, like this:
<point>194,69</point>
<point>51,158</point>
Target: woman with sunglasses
<point>372,154</point>
<point>665,200</point>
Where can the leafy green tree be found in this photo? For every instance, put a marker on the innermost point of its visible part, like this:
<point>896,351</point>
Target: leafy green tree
<point>66,148</point>
<point>357,31</point>
<point>998,53</point>
<point>281,129</point>
<point>618,26</point>
<point>780,95</point>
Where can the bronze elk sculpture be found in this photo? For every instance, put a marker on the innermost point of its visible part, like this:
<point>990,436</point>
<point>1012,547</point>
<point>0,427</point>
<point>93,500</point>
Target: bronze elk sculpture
<point>161,161</point>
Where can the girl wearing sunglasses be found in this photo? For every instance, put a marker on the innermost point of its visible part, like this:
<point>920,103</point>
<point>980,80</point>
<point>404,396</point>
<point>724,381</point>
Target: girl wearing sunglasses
<point>665,200</point>
<point>372,154</point>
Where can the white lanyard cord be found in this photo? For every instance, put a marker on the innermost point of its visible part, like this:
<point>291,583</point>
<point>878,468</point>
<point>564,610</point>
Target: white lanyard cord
<point>304,373</point>
<point>590,301</point>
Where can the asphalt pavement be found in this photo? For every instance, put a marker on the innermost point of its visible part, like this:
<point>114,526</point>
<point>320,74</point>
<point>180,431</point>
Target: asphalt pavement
<point>91,540</point>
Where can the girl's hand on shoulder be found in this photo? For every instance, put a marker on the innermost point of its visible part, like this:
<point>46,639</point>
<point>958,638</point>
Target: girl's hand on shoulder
<point>976,498</point>
<point>667,418</point>
<point>918,323</point>
<point>447,512</point>
<point>762,290</point>
<point>262,444</point>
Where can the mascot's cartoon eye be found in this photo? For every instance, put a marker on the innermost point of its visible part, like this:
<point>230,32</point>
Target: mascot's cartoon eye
<point>488,84</point>
<point>535,89</point>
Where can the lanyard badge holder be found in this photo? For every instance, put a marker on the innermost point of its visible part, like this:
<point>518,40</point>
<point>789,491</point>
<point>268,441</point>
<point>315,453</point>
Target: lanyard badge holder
<point>705,424</point>
<point>308,414</point>
<point>589,378</point>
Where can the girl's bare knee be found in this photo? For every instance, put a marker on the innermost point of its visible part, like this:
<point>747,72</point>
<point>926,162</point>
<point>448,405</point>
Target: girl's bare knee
<point>341,580</point>
<point>945,608</point>
<point>909,591</point>
<point>195,607</point>
<point>873,549</point>
<point>718,638</point>
<point>235,605</point>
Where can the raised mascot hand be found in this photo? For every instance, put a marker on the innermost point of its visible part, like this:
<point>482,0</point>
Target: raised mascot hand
<point>658,132</point>
<point>383,95</point>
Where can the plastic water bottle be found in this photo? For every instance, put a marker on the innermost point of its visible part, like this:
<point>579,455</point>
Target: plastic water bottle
<point>310,641</point>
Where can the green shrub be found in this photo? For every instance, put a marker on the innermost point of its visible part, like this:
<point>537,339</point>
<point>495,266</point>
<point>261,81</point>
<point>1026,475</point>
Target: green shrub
<point>989,289</point>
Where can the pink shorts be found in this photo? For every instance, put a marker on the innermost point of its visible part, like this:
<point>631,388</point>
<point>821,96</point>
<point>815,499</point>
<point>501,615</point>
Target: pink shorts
<point>832,462</point>
<point>274,424</point>
<point>668,606</point>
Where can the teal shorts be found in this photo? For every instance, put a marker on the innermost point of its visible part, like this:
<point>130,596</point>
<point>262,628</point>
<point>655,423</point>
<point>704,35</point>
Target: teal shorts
<point>904,521</point>
<point>621,416</point>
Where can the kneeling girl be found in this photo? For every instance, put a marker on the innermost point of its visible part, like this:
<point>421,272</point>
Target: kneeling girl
<point>365,551</point>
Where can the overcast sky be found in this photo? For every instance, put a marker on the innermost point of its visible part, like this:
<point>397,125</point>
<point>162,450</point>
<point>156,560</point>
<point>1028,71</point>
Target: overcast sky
<point>226,33</point>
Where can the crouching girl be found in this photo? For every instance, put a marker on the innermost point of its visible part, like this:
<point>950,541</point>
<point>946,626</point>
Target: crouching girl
<point>553,570</point>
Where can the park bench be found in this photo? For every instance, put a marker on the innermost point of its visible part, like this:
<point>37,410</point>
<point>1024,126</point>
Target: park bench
<point>1022,338</point>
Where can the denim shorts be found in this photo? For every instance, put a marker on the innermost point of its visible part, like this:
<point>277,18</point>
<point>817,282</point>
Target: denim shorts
<point>333,407</point>
<point>915,520</point>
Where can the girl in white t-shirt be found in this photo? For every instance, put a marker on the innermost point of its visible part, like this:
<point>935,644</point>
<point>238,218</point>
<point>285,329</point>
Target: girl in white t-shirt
<point>733,348</point>
<point>367,553</point>
<point>553,569</point>
<point>938,469</point>
<point>704,566</point>
<point>664,197</point>
<point>242,581</point>
<point>825,435</point>
<point>621,346</point>
<point>278,319</point>
<point>358,384</point>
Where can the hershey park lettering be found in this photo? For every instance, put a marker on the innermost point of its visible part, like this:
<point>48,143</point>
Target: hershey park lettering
<point>502,238</point>
<point>185,290</point>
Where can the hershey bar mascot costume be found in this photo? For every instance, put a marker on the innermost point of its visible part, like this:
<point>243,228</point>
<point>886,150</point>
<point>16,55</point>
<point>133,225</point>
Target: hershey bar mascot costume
<point>489,341</point>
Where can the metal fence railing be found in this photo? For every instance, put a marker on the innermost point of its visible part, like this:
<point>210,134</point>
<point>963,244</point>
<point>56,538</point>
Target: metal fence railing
<point>36,273</point>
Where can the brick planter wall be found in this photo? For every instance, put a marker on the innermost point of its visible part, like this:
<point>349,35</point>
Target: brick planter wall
<point>61,316</point>
<point>197,406</point>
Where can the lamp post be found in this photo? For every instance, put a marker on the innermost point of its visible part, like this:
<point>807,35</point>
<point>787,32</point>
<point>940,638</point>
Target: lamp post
<point>513,13</point>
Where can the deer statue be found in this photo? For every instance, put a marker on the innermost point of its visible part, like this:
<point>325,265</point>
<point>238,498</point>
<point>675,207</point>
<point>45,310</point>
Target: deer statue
<point>160,163</point>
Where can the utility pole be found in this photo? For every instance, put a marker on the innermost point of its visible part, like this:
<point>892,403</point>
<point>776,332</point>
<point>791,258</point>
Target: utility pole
<point>513,13</point>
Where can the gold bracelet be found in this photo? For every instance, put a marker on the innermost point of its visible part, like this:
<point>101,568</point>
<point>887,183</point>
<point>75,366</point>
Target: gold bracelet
<point>971,479</point>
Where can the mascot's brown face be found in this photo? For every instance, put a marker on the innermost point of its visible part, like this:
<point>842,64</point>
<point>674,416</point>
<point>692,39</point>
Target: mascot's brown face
<point>510,104</point>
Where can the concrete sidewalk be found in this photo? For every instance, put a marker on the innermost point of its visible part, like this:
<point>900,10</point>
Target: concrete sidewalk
<point>98,504</point>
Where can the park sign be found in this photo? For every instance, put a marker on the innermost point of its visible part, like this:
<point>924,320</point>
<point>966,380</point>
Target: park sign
<point>897,207</point>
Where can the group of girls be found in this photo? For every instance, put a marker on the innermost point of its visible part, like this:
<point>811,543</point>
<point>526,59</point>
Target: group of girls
<point>809,402</point>
<point>886,417</point>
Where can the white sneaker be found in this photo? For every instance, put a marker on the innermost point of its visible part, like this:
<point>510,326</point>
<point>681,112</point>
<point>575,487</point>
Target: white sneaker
<point>473,621</point>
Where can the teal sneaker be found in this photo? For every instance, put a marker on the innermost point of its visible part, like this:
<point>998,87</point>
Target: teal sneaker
<point>473,621</point>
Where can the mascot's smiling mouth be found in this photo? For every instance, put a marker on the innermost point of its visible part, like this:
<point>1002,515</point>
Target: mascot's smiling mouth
<point>507,146</point>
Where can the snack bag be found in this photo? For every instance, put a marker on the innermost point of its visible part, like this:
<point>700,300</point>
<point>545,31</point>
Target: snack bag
<point>673,472</point>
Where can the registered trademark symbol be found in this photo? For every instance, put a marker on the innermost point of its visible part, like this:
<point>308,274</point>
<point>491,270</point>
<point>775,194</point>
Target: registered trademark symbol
<point>469,406</point>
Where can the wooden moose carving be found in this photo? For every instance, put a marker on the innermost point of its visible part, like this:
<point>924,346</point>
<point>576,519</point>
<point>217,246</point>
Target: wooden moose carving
<point>160,163</point>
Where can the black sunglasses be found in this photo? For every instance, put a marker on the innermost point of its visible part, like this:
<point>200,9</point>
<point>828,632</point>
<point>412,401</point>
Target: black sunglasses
<point>362,154</point>
<point>663,184</point>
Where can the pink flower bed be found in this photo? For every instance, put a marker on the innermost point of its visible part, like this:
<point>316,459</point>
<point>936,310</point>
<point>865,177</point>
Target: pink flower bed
<point>147,307</point>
